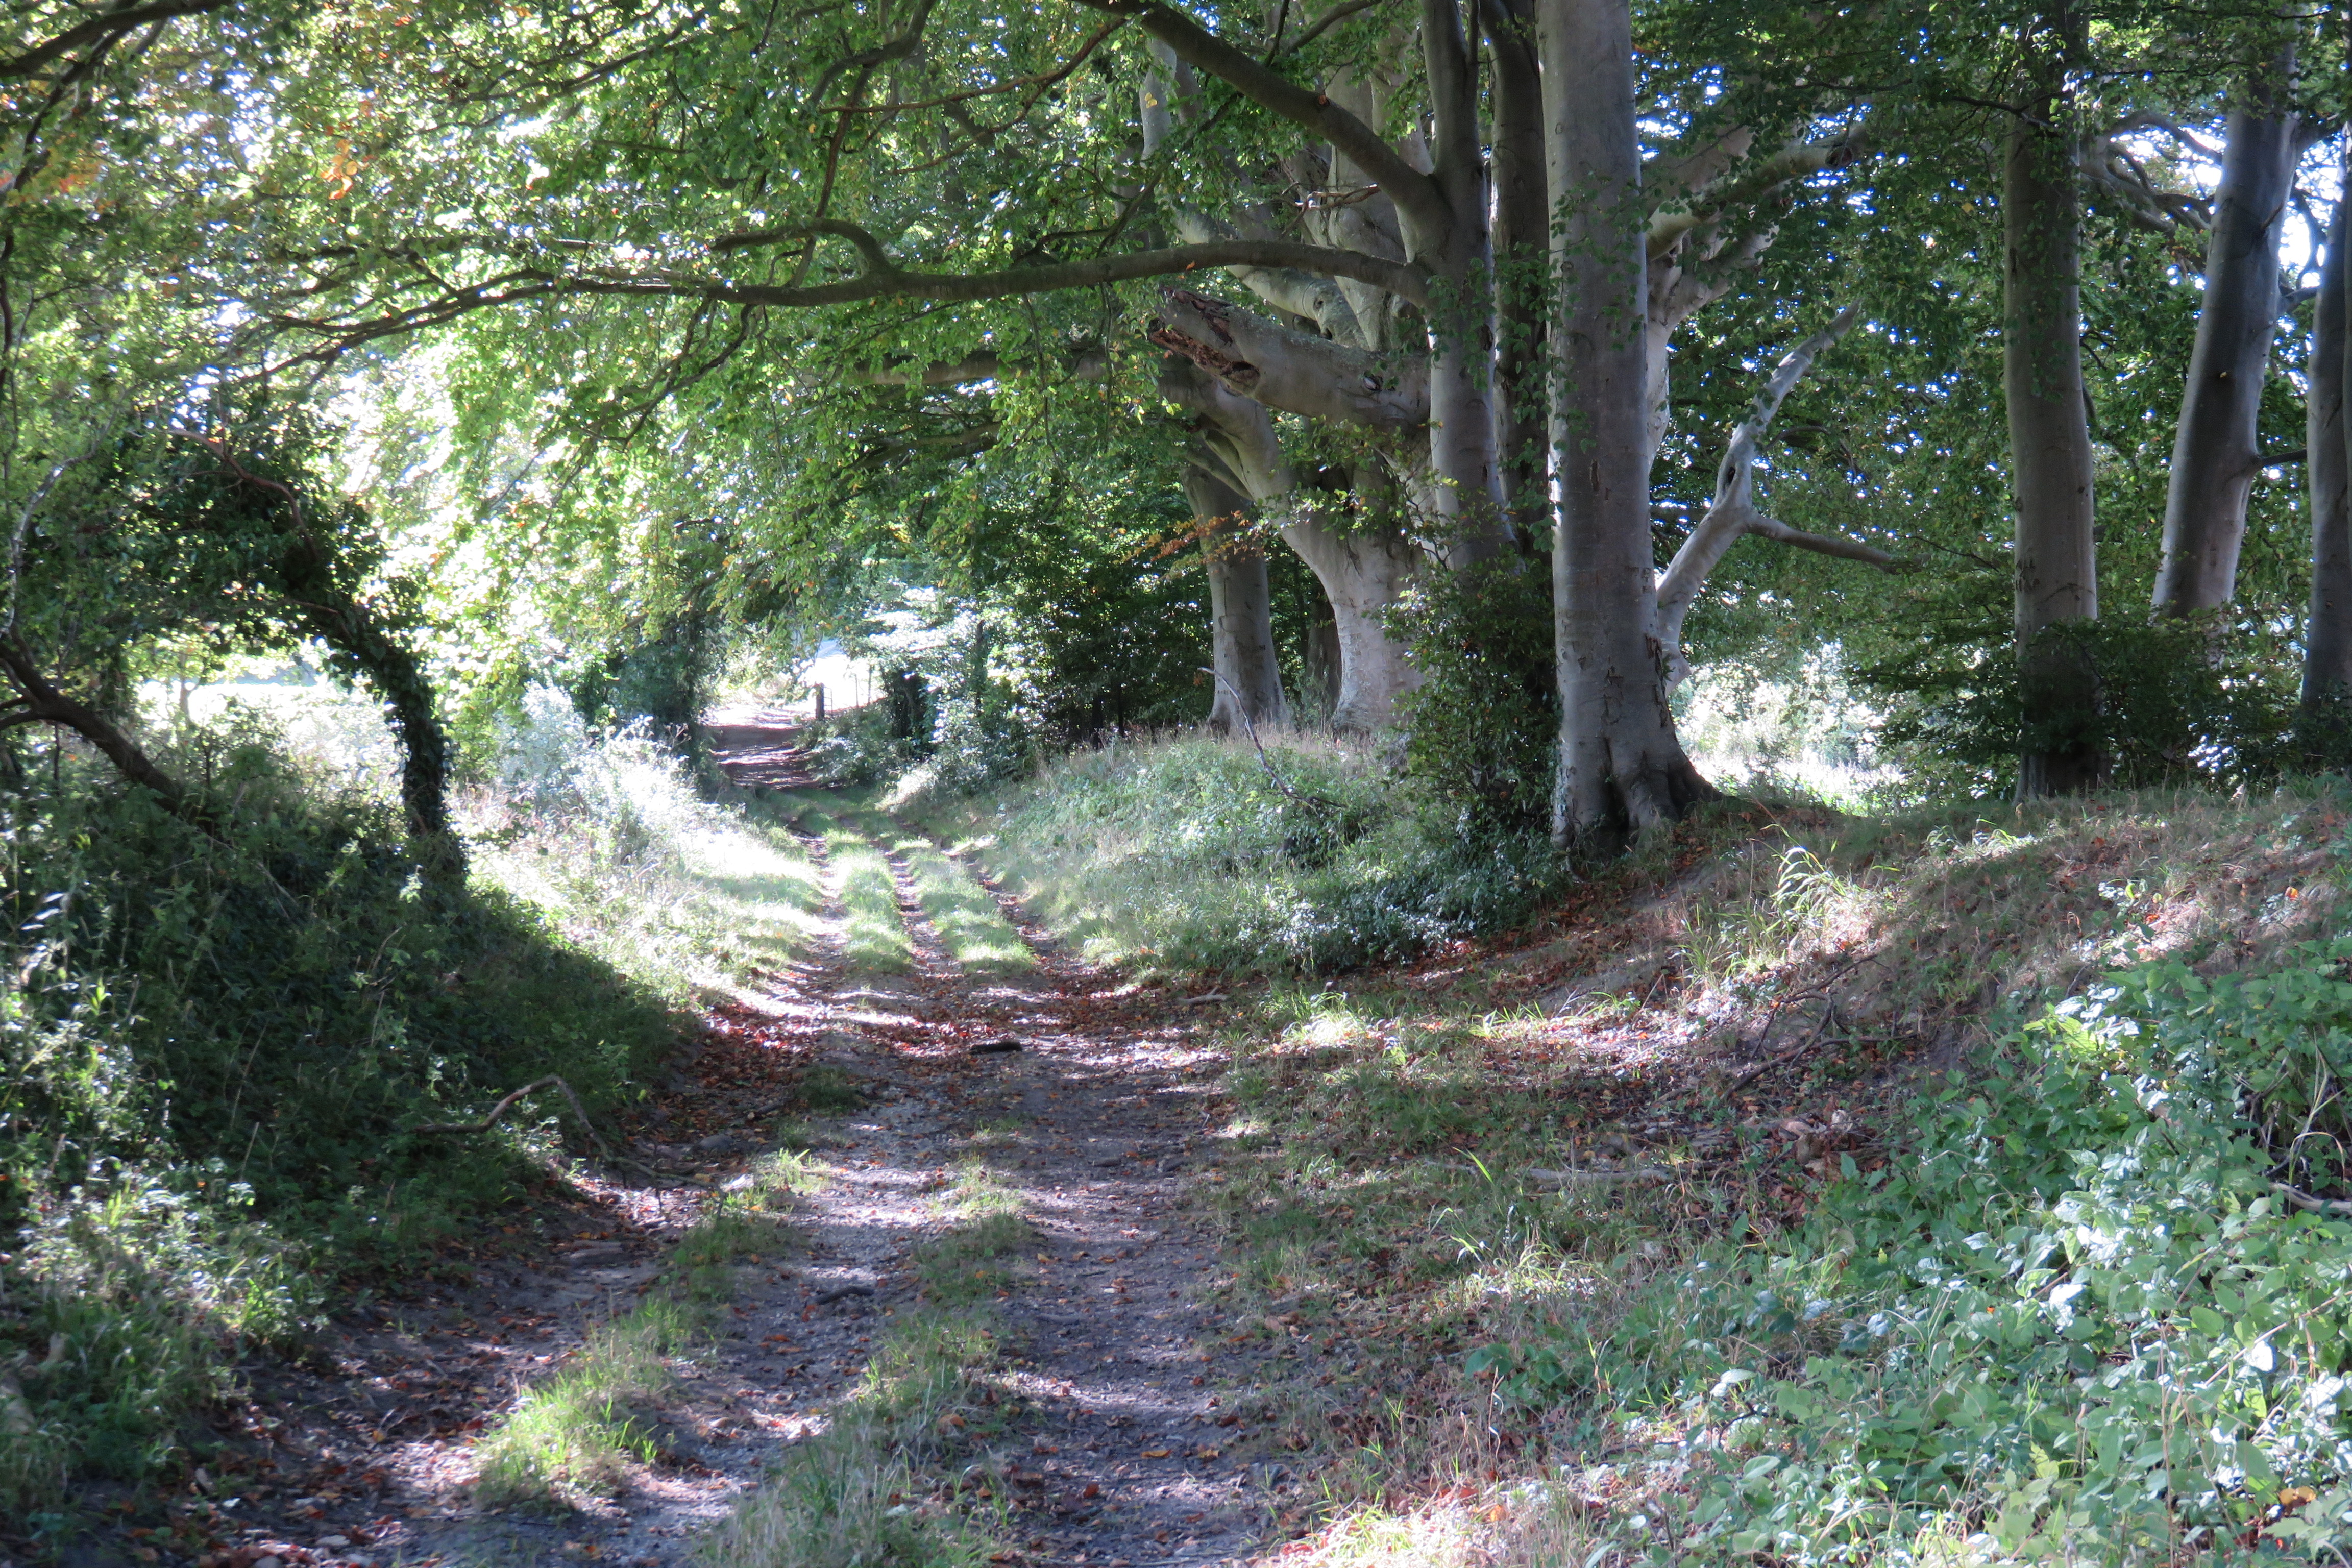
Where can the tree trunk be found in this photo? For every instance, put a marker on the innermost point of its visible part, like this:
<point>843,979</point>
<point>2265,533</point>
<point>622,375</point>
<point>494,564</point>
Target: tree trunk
<point>1522,243</point>
<point>393,671</point>
<point>1363,568</point>
<point>1364,571</point>
<point>1621,766</point>
<point>39,702</point>
<point>2217,448</point>
<point>2050,448</point>
<point>2327,638</point>
<point>1469,493</point>
<point>1241,610</point>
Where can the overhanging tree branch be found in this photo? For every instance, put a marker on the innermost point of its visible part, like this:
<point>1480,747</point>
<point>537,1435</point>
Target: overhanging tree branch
<point>1414,192</point>
<point>1733,515</point>
<point>104,28</point>
<point>1399,277</point>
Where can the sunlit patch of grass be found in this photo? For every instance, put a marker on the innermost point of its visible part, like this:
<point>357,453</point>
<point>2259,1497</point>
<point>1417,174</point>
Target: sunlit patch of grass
<point>970,925</point>
<point>873,938</point>
<point>578,1430</point>
<point>614,844</point>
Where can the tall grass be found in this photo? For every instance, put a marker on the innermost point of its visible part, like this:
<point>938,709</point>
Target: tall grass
<point>1184,853</point>
<point>608,835</point>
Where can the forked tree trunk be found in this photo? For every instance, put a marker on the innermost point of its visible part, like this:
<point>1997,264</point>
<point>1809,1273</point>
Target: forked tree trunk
<point>1241,610</point>
<point>1622,765</point>
<point>1364,570</point>
<point>1363,567</point>
<point>2050,448</point>
<point>2327,638</point>
<point>2217,448</point>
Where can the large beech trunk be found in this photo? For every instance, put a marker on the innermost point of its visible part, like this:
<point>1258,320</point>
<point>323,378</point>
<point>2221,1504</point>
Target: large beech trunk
<point>1522,242</point>
<point>2327,638</point>
<point>1241,610</point>
<point>2050,450</point>
<point>1364,570</point>
<point>1621,766</point>
<point>2217,448</point>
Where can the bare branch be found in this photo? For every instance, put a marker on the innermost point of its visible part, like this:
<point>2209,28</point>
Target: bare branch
<point>1733,515</point>
<point>1748,184</point>
<point>104,28</point>
<point>501,1109</point>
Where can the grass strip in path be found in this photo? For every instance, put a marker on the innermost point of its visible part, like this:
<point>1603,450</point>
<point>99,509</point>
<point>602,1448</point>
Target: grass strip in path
<point>970,925</point>
<point>874,1487</point>
<point>873,939</point>
<point>577,1431</point>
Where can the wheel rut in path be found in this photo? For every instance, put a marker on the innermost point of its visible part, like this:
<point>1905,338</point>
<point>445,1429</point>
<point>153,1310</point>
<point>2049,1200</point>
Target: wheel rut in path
<point>1098,1122</point>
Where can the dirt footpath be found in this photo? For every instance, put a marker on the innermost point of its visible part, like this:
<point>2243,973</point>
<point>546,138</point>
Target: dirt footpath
<point>1100,1121</point>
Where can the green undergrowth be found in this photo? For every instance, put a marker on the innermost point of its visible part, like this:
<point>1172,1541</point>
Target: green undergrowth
<point>878,1484</point>
<point>215,1039</point>
<point>576,1433</point>
<point>219,1034</point>
<point>1186,854</point>
<point>2082,1293</point>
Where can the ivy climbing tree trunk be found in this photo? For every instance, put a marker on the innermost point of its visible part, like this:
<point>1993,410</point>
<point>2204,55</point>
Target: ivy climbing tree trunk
<point>1621,766</point>
<point>1241,608</point>
<point>2217,449</point>
<point>2327,635</point>
<point>2049,433</point>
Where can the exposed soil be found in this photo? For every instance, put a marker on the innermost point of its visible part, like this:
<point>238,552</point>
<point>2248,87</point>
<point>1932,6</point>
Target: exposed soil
<point>1100,1119</point>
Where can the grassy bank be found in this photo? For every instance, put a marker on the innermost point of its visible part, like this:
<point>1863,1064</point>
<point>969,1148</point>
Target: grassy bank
<point>1189,854</point>
<point>223,1033</point>
<point>1955,1187</point>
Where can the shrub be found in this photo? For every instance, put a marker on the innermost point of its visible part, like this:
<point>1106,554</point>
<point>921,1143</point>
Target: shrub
<point>2180,699</point>
<point>1482,731</point>
<point>1186,854</point>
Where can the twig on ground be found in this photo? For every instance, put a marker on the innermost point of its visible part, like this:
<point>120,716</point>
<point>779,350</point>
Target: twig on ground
<point>501,1109</point>
<point>2310,1204</point>
<point>827,1297</point>
<point>1241,710</point>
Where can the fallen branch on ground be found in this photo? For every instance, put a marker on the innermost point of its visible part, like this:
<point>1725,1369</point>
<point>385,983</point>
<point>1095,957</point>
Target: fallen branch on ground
<point>501,1107</point>
<point>1241,710</point>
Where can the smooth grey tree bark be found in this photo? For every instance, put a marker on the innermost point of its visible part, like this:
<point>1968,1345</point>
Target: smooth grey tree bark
<point>2049,434</point>
<point>1241,605</point>
<point>1622,765</point>
<point>2216,449</point>
<point>2327,633</point>
<point>1733,514</point>
<point>1364,564</point>
<point>1522,247</point>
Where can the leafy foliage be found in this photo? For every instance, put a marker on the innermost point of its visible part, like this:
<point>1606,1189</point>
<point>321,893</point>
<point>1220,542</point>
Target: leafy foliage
<point>1482,729</point>
<point>2082,1308</point>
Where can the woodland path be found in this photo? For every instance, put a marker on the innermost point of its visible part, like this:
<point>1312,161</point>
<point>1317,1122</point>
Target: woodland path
<point>1099,1121</point>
